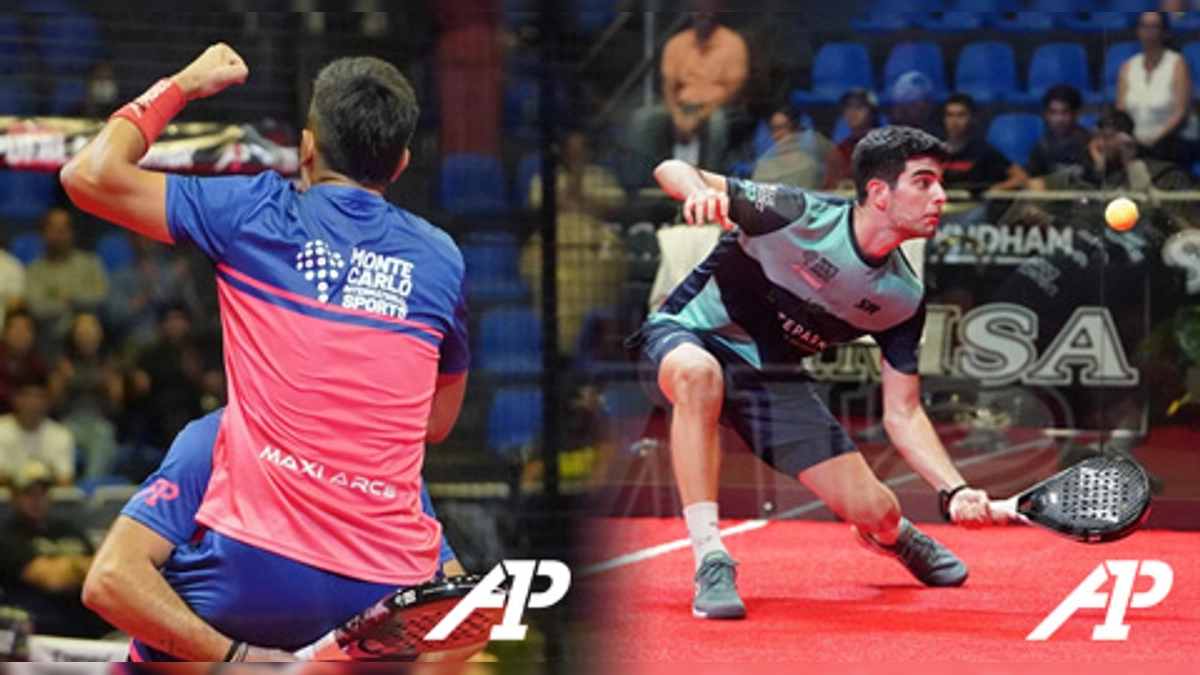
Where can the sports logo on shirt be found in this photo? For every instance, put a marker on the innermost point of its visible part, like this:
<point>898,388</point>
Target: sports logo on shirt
<point>320,265</point>
<point>816,270</point>
<point>378,283</point>
<point>161,489</point>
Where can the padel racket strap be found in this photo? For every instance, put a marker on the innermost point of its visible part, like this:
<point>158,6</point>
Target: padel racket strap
<point>947,496</point>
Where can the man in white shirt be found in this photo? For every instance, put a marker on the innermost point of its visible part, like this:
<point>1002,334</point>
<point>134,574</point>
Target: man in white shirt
<point>28,434</point>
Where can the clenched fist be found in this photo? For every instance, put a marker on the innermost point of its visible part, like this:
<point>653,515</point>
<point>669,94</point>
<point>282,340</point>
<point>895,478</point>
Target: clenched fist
<point>214,70</point>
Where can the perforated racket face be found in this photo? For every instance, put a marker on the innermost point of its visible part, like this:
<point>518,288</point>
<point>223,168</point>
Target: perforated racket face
<point>1099,499</point>
<point>398,632</point>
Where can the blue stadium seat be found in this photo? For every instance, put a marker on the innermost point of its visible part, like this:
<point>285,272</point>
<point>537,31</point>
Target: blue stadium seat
<point>68,96</point>
<point>1015,134</point>
<point>492,273</point>
<point>957,22</point>
<point>1028,22</point>
<point>1191,54</point>
<point>1188,22</point>
<point>17,98</point>
<point>514,421</point>
<point>988,72</point>
<point>26,195</point>
<point>27,247</point>
<point>1060,5</point>
<point>12,50</point>
<point>114,250</point>
<point>1100,22</point>
<point>1059,63</point>
<point>924,57</point>
<point>69,42</point>
<point>1129,6</point>
<point>886,22</point>
<point>472,184</point>
<point>528,169</point>
<point>510,342</point>
<point>1088,121</point>
<point>837,67</point>
<point>1114,57</point>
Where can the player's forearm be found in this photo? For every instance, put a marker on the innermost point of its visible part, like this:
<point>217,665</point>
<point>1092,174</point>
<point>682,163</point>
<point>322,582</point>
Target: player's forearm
<point>134,597</point>
<point>915,438</point>
<point>679,179</point>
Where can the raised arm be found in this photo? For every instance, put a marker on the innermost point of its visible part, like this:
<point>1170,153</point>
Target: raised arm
<point>705,195</point>
<point>104,178</point>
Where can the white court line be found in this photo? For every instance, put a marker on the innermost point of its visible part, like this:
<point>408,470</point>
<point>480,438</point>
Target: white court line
<point>754,525</point>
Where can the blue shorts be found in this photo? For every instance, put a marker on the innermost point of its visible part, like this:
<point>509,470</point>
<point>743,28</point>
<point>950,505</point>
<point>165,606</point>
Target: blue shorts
<point>780,415</point>
<point>242,591</point>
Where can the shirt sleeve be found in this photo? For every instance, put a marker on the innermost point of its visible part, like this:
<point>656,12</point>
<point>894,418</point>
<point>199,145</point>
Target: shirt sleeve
<point>455,349</point>
<point>762,208</point>
<point>171,496</point>
<point>901,344</point>
<point>208,212</point>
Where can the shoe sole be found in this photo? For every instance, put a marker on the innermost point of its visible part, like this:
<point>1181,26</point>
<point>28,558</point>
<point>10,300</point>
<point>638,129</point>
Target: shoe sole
<point>718,616</point>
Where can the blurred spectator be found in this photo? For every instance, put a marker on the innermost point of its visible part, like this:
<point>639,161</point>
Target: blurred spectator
<point>101,94</point>
<point>61,282</point>
<point>1155,88</point>
<point>172,378</point>
<point>860,111</point>
<point>18,357</point>
<point>591,271</point>
<point>44,560</point>
<point>1065,143</point>
<point>12,283</point>
<point>470,78</point>
<point>28,434</point>
<point>583,185</point>
<point>136,293</point>
<point>704,70</point>
<point>914,103</point>
<point>88,390</point>
<point>973,163</point>
<point>1112,163</point>
<point>797,156</point>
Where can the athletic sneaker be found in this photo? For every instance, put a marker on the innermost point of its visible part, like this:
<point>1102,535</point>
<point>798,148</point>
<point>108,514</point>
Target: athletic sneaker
<point>716,589</point>
<point>930,562</point>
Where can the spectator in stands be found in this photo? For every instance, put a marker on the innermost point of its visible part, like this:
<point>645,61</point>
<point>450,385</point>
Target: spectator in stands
<point>1155,88</point>
<point>88,389</point>
<point>18,356</point>
<point>44,560</point>
<point>172,379</point>
<point>860,111</point>
<point>914,103</point>
<point>583,185</point>
<point>101,94</point>
<point>28,434</point>
<point>61,282</point>
<point>973,163</point>
<point>1113,163</point>
<point>797,156</point>
<point>136,293</point>
<point>12,283</point>
<point>704,71</point>
<point>591,257</point>
<point>1065,143</point>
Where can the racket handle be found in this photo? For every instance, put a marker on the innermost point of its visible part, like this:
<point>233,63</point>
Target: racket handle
<point>1006,509</point>
<point>324,649</point>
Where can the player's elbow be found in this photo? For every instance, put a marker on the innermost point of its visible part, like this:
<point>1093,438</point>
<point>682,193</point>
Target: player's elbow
<point>101,586</point>
<point>82,180</point>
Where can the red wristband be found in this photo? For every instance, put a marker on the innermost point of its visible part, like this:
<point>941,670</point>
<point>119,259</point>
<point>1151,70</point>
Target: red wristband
<point>153,111</point>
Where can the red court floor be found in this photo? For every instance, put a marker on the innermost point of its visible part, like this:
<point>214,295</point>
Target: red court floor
<point>814,594</point>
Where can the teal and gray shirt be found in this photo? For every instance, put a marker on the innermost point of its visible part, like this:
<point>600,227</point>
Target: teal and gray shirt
<point>792,281</point>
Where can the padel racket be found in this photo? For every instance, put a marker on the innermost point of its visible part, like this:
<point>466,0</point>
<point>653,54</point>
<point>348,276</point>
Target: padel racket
<point>1100,499</point>
<point>394,628</point>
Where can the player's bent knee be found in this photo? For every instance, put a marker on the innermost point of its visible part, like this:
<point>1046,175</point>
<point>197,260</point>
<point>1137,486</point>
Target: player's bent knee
<point>875,512</point>
<point>693,380</point>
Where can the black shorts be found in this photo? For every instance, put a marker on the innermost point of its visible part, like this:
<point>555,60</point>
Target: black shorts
<point>778,413</point>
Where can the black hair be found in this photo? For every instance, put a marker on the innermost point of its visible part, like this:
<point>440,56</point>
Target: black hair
<point>1063,93</point>
<point>883,153</point>
<point>1115,119</point>
<point>961,99</point>
<point>364,113</point>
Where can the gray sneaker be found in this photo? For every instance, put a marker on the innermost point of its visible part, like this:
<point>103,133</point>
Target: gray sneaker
<point>716,589</point>
<point>930,562</point>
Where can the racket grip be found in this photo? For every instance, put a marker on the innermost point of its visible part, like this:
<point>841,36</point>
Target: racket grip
<point>324,649</point>
<point>1006,509</point>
